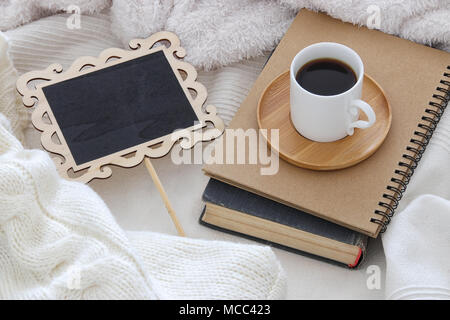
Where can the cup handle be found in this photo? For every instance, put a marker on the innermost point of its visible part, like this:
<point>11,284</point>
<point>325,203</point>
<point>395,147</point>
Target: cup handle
<point>367,109</point>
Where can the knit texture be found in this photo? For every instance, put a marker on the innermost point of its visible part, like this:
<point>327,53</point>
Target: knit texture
<point>54,233</point>
<point>417,246</point>
<point>58,240</point>
<point>9,98</point>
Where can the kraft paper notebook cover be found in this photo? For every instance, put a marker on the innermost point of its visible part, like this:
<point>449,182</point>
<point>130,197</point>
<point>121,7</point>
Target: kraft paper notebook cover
<point>362,197</point>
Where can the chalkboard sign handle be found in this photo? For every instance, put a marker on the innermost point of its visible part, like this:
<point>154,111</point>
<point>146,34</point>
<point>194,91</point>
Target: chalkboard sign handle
<point>164,197</point>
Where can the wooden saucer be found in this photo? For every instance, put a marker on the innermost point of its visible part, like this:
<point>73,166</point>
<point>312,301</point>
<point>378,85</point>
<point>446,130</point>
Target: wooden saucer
<point>274,113</point>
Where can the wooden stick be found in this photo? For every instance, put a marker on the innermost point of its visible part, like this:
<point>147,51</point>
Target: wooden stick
<point>164,197</point>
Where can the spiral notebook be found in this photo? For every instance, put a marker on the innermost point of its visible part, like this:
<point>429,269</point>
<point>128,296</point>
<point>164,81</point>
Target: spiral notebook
<point>364,197</point>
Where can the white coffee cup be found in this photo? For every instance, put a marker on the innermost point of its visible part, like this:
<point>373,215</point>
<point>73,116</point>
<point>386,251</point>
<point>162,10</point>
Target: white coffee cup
<point>328,118</point>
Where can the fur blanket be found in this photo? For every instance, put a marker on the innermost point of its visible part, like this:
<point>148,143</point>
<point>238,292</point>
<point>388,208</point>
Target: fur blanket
<point>221,32</point>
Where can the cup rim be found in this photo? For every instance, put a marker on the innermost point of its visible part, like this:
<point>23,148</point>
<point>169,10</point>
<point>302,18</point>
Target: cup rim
<point>332,44</point>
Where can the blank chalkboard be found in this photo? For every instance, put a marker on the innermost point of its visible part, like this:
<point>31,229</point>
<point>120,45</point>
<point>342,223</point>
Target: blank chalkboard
<point>119,107</point>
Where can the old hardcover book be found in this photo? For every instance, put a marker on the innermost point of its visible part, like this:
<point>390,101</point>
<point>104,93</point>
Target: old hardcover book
<point>363,198</point>
<point>247,214</point>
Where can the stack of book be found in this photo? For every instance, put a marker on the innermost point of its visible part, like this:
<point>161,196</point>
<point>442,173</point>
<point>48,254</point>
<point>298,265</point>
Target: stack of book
<point>331,214</point>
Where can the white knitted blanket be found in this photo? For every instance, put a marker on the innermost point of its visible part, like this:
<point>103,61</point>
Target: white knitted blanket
<point>58,240</point>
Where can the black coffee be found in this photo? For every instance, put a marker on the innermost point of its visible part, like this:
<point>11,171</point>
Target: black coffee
<point>326,77</point>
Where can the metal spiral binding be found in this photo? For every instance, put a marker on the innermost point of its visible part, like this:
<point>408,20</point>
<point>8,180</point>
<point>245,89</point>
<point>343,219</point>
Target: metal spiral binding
<point>420,141</point>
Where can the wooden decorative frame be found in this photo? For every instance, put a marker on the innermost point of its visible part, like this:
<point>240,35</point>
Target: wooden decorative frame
<point>30,86</point>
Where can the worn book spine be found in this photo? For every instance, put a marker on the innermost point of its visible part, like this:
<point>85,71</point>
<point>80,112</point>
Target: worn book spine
<point>228,196</point>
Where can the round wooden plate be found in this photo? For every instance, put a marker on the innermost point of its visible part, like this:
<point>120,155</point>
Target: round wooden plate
<point>273,113</point>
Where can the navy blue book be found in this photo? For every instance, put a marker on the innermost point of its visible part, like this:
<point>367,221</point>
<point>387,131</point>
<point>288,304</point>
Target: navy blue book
<point>238,211</point>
